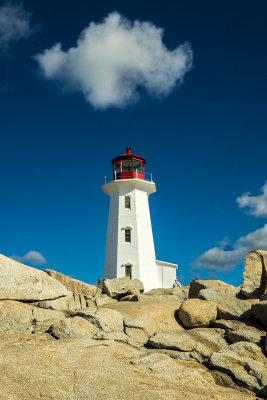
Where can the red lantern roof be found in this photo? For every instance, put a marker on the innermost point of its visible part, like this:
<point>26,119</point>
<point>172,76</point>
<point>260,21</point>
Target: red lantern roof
<point>128,155</point>
<point>128,166</point>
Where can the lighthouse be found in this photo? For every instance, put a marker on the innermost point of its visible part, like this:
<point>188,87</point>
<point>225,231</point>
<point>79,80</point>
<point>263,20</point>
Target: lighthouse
<point>130,247</point>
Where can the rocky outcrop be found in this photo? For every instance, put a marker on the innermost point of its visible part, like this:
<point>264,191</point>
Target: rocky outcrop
<point>119,287</point>
<point>20,282</point>
<point>151,317</point>
<point>255,274</point>
<point>228,307</point>
<point>76,327</point>
<point>107,320</point>
<point>73,285</point>
<point>159,345</point>
<point>218,286</point>
<point>196,313</point>
<point>246,362</point>
<point>38,367</point>
<point>180,293</point>
<point>237,331</point>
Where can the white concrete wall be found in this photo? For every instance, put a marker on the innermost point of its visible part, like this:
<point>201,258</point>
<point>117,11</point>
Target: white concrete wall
<point>140,253</point>
<point>167,273</point>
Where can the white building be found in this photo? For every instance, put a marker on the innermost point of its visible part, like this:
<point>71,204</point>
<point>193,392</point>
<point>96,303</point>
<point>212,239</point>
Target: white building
<point>130,246</point>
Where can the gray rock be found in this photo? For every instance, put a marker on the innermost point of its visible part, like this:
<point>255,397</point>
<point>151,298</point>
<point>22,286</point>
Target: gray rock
<point>199,343</point>
<point>15,318</point>
<point>199,284</point>
<point>195,313</point>
<point>107,320</point>
<point>180,293</point>
<point>104,299</point>
<point>228,307</point>
<point>259,310</point>
<point>20,282</point>
<point>74,285</point>
<point>151,316</point>
<point>119,287</point>
<point>246,363</point>
<point>69,303</point>
<point>237,331</point>
<point>76,327</point>
<point>43,318</point>
<point>255,274</point>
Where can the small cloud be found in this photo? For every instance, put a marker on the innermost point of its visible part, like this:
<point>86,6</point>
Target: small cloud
<point>226,256</point>
<point>33,258</point>
<point>14,24</point>
<point>257,205</point>
<point>114,59</point>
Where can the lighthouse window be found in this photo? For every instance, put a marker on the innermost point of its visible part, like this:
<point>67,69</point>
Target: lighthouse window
<point>127,200</point>
<point>127,165</point>
<point>128,271</point>
<point>138,166</point>
<point>128,235</point>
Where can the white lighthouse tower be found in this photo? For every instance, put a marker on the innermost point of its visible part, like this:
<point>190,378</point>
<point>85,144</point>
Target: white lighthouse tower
<point>130,246</point>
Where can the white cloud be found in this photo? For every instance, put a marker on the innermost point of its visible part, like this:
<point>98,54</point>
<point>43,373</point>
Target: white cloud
<point>225,256</point>
<point>14,24</point>
<point>218,259</point>
<point>257,205</point>
<point>113,59</point>
<point>33,257</point>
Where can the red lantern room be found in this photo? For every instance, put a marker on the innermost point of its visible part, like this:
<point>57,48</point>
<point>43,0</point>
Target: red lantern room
<point>128,166</point>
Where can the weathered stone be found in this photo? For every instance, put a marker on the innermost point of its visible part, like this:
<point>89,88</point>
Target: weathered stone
<point>180,293</point>
<point>225,380</point>
<point>76,327</point>
<point>119,287</point>
<point>74,285</point>
<point>34,368</point>
<point>259,310</point>
<point>70,303</point>
<point>107,320</point>
<point>151,316</point>
<point>15,318</point>
<point>228,307</point>
<point>237,331</point>
<point>20,282</point>
<point>42,319</point>
<point>255,274</point>
<point>139,335</point>
<point>246,362</point>
<point>218,286</point>
<point>199,342</point>
<point>104,299</point>
<point>195,313</point>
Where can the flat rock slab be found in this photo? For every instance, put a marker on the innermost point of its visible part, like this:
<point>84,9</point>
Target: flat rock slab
<point>74,285</point>
<point>228,307</point>
<point>151,316</point>
<point>36,368</point>
<point>199,343</point>
<point>255,274</point>
<point>107,320</point>
<point>237,331</point>
<point>222,287</point>
<point>246,363</point>
<point>20,282</point>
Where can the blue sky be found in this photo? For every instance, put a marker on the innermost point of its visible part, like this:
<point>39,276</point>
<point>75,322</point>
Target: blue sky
<point>198,116</point>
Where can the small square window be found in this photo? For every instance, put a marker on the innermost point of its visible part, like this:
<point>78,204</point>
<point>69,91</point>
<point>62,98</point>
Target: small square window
<point>128,235</point>
<point>128,271</point>
<point>127,201</point>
